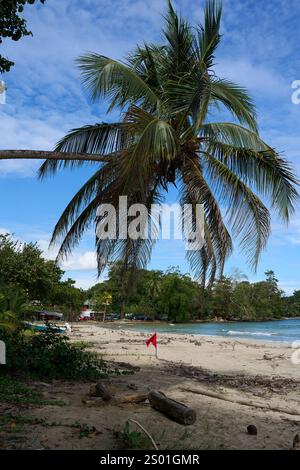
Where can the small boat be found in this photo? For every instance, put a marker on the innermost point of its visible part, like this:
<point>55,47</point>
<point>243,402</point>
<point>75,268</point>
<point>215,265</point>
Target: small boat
<point>34,327</point>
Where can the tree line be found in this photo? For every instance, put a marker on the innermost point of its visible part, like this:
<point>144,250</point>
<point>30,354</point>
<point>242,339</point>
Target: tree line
<point>26,276</point>
<point>176,297</point>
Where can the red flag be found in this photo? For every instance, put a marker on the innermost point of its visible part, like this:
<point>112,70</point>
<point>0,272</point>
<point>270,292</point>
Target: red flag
<point>152,340</point>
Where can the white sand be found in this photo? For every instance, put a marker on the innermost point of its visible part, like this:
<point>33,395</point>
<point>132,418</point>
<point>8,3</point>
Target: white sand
<point>217,354</point>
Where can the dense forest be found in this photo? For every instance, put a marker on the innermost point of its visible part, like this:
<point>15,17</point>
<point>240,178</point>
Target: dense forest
<point>25,276</point>
<point>175,297</point>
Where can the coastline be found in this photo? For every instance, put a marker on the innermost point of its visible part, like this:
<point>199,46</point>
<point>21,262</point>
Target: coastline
<point>215,353</point>
<point>267,332</point>
<point>230,384</point>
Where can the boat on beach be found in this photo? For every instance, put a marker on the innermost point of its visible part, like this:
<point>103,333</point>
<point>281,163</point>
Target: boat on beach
<point>44,327</point>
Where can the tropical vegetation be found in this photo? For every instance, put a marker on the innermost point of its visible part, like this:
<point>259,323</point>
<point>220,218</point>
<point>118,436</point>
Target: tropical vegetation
<point>176,297</point>
<point>25,276</point>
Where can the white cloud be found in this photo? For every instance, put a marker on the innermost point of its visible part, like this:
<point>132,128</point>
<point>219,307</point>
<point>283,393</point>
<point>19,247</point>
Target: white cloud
<point>255,77</point>
<point>4,231</point>
<point>81,261</point>
<point>286,234</point>
<point>86,282</point>
<point>289,286</point>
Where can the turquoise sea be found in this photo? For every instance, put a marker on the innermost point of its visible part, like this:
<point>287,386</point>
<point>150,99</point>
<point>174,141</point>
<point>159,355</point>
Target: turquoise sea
<point>281,330</point>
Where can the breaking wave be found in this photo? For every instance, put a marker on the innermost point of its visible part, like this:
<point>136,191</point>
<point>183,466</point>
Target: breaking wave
<point>250,333</point>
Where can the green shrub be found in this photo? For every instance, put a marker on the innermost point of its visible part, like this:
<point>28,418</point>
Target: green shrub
<point>131,439</point>
<point>13,391</point>
<point>50,355</point>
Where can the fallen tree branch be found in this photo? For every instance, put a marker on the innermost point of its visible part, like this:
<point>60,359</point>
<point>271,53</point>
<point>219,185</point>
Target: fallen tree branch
<point>137,398</point>
<point>145,431</point>
<point>99,394</point>
<point>241,401</point>
<point>173,409</point>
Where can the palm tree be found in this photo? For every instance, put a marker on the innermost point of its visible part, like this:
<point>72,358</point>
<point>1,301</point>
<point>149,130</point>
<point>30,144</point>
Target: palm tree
<point>167,95</point>
<point>13,307</point>
<point>153,287</point>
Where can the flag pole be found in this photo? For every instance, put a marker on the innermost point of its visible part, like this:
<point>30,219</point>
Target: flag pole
<point>156,347</point>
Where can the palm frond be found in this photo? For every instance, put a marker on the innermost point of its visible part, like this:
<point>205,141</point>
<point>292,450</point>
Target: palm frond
<point>156,141</point>
<point>147,62</point>
<point>203,262</point>
<point>232,134</point>
<point>112,80</point>
<point>196,191</point>
<point>236,100</point>
<point>248,216</point>
<point>77,229</point>
<point>265,171</point>
<point>132,253</point>
<point>209,35</point>
<point>96,185</point>
<point>179,47</point>
<point>101,139</point>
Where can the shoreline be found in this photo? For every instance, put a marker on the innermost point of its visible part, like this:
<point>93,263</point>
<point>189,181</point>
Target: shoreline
<point>230,384</point>
<point>212,320</point>
<point>255,342</point>
<point>242,336</point>
<point>215,353</point>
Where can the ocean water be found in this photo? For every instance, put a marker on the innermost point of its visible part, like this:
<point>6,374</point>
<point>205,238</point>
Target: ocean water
<point>281,330</point>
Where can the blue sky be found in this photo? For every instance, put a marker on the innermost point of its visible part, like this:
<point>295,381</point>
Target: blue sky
<point>260,50</point>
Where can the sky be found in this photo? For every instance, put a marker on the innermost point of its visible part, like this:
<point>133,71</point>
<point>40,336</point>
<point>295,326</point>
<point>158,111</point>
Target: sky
<point>260,50</point>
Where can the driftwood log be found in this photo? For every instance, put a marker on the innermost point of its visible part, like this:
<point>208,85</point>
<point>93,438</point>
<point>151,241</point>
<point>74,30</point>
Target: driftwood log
<point>100,393</point>
<point>242,401</point>
<point>101,390</point>
<point>173,409</point>
<point>137,398</point>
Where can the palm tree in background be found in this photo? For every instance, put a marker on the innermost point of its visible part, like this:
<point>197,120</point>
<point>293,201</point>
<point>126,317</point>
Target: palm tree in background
<point>169,98</point>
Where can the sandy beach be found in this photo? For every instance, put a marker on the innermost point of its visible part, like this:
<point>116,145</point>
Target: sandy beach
<point>217,354</point>
<point>230,384</point>
<point>253,383</point>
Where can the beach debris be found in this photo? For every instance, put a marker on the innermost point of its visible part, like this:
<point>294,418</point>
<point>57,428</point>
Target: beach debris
<point>248,383</point>
<point>125,367</point>
<point>252,430</point>
<point>88,431</point>
<point>100,393</point>
<point>132,386</point>
<point>241,401</point>
<point>267,357</point>
<point>296,442</point>
<point>101,390</point>
<point>173,409</point>
<point>137,398</point>
<point>145,432</point>
<point>195,342</point>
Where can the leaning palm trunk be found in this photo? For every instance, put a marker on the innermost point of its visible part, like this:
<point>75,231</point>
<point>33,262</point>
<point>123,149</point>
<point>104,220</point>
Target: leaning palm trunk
<point>44,154</point>
<point>166,94</point>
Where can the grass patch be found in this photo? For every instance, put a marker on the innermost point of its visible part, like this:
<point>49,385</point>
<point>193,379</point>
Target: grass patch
<point>12,424</point>
<point>83,344</point>
<point>51,355</point>
<point>132,439</point>
<point>13,391</point>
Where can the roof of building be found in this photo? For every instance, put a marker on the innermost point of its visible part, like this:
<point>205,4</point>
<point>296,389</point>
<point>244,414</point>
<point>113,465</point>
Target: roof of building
<point>46,313</point>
